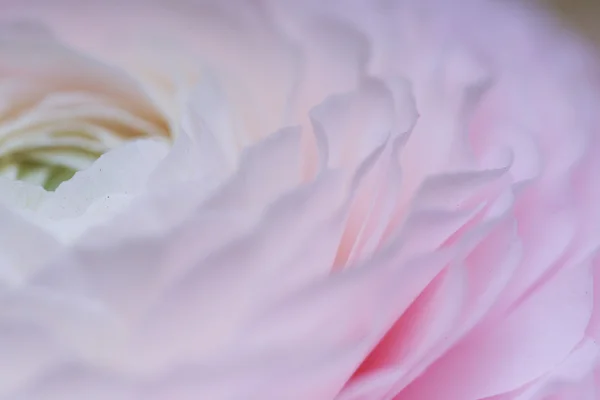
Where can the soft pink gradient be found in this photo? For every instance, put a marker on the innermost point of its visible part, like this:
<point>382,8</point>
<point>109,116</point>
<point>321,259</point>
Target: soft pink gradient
<point>390,200</point>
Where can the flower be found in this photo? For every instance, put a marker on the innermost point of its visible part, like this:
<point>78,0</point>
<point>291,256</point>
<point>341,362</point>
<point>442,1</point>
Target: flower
<point>296,200</point>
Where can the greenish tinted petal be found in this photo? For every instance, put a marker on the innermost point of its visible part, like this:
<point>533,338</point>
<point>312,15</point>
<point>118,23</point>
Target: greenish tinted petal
<point>46,167</point>
<point>32,172</point>
<point>58,175</point>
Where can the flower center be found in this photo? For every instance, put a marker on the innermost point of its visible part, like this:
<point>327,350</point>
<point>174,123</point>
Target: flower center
<point>48,140</point>
<point>61,109</point>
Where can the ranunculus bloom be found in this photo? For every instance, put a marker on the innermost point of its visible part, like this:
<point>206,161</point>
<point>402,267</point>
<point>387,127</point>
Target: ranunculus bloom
<point>296,200</point>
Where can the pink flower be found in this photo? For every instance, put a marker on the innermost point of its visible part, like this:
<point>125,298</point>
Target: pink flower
<point>296,200</point>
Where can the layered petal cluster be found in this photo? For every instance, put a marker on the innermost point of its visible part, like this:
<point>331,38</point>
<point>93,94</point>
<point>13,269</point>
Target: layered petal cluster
<point>350,200</point>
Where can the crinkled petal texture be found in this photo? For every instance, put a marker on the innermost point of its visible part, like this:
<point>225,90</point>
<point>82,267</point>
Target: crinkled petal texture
<point>364,200</point>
